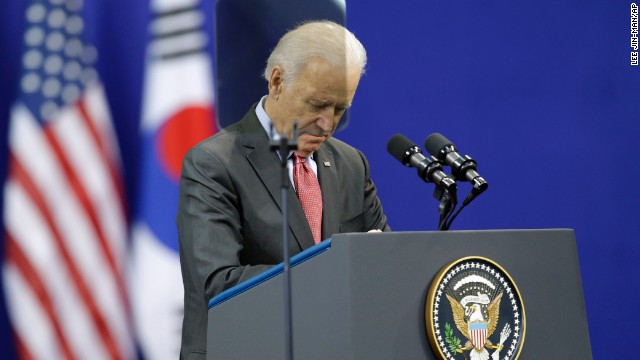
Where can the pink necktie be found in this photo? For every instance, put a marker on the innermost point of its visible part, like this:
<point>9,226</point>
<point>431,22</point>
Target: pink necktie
<point>308,190</point>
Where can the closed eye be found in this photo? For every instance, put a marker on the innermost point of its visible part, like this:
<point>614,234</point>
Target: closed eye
<point>318,107</point>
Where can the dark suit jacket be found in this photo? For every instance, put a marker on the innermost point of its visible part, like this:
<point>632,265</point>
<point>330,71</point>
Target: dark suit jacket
<point>229,213</point>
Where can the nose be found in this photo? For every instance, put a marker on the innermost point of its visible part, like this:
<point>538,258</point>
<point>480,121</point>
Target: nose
<point>324,124</point>
<point>326,120</point>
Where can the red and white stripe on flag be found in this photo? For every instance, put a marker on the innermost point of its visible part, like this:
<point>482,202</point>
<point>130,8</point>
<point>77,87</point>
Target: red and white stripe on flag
<point>64,211</point>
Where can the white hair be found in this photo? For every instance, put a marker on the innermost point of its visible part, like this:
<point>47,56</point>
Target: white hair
<point>324,39</point>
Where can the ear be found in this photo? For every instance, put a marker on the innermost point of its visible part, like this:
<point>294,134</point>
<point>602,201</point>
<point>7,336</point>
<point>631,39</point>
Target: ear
<point>276,82</point>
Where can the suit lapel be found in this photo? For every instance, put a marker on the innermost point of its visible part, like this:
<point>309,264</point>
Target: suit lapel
<point>328,178</point>
<point>266,164</point>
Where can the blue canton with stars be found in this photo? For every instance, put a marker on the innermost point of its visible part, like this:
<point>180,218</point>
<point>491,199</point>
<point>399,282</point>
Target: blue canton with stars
<point>57,64</point>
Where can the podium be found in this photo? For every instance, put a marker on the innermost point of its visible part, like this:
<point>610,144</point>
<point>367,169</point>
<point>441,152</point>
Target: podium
<point>362,296</point>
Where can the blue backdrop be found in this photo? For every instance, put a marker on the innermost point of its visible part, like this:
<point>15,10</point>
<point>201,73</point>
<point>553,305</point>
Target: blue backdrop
<point>541,94</point>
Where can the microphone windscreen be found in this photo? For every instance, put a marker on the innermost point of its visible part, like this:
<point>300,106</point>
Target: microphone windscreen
<point>398,145</point>
<point>436,142</point>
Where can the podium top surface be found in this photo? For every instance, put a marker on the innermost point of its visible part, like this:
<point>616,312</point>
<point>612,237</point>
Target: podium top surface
<point>326,245</point>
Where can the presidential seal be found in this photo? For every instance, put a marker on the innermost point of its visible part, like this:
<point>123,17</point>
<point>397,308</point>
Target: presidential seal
<point>474,311</point>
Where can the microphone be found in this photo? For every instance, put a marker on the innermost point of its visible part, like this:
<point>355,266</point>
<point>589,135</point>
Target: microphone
<point>463,167</point>
<point>429,168</point>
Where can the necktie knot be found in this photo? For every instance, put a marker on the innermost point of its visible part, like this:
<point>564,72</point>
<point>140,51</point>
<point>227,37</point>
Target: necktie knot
<point>297,159</point>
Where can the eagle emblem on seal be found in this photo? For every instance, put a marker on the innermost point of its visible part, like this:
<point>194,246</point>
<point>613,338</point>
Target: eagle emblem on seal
<point>470,320</point>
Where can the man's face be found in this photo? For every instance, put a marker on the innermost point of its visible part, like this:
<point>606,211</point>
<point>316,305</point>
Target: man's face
<point>317,99</point>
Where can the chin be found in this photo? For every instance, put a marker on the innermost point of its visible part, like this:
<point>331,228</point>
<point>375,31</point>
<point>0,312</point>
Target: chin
<point>309,147</point>
<point>305,152</point>
<point>308,150</point>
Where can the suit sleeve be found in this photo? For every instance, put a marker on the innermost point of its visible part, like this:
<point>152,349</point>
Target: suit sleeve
<point>209,227</point>
<point>374,216</point>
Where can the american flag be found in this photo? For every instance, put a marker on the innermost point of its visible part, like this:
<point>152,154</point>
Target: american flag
<point>64,211</point>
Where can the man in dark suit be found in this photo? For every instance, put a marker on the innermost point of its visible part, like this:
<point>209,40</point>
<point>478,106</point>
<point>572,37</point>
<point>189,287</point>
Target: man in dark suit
<point>229,215</point>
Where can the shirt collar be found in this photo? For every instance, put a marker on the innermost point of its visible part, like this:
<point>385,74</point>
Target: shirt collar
<point>265,120</point>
